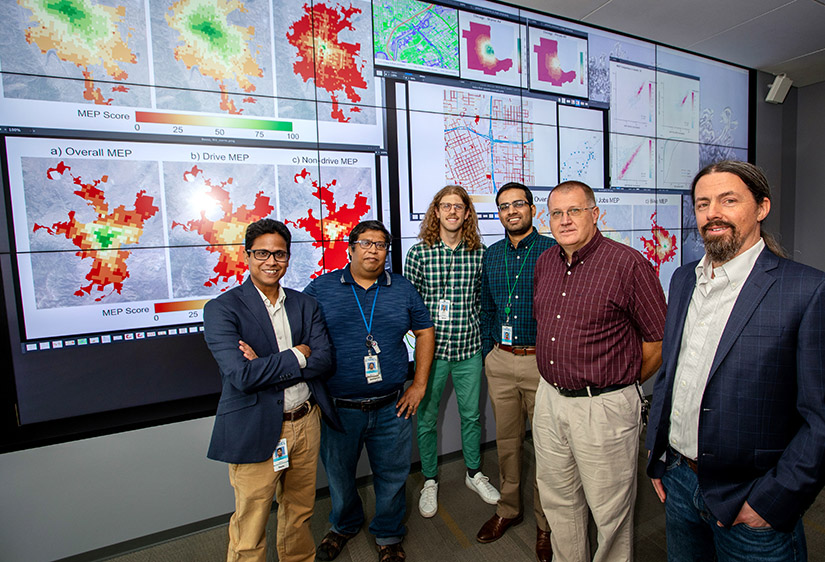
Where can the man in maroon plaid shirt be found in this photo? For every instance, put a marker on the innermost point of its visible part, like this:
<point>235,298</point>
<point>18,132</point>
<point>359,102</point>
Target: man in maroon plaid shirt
<point>601,313</point>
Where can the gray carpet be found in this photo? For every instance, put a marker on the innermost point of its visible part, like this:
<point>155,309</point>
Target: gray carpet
<point>450,535</point>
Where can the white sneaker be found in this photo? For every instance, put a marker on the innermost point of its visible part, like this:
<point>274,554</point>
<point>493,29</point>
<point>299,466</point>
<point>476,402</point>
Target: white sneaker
<point>480,484</point>
<point>428,502</point>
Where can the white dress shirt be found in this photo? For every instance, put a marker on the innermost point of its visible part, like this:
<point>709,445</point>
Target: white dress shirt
<point>295,395</point>
<point>713,298</point>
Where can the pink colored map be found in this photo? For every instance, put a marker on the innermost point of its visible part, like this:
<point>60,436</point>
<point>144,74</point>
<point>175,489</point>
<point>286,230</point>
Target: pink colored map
<point>224,233</point>
<point>549,65</point>
<point>480,53</point>
<point>329,232</point>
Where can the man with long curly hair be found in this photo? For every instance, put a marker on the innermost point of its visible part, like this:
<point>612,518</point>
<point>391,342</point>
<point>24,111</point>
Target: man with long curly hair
<point>445,267</point>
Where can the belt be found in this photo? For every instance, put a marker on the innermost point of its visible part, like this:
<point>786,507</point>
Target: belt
<point>694,466</point>
<point>300,411</point>
<point>369,404</point>
<point>589,390</point>
<point>518,349</point>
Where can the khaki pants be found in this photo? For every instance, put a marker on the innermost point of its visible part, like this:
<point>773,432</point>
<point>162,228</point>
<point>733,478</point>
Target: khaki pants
<point>511,383</point>
<point>256,484</point>
<point>587,450</point>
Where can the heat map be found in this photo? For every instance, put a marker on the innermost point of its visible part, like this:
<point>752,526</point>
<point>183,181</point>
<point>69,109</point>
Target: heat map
<point>100,240</point>
<point>224,233</point>
<point>86,34</point>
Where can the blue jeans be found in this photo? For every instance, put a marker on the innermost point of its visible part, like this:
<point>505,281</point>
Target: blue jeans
<point>693,535</point>
<point>389,445</point>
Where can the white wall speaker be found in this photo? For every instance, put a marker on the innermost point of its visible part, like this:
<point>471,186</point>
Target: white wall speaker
<point>779,89</point>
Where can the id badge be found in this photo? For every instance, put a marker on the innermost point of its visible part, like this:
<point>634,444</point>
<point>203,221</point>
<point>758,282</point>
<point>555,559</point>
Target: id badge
<point>280,458</point>
<point>444,309</point>
<point>372,369</point>
<point>506,334</point>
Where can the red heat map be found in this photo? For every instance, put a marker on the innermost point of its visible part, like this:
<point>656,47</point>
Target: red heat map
<point>223,234</point>
<point>660,247</point>
<point>335,65</point>
<point>100,239</point>
<point>329,232</point>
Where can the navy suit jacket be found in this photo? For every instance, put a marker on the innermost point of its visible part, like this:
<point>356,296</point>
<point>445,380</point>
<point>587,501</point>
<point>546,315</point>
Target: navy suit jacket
<point>250,410</point>
<point>762,416</point>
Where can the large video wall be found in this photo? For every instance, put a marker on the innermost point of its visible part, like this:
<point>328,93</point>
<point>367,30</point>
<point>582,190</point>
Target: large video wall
<point>140,137</point>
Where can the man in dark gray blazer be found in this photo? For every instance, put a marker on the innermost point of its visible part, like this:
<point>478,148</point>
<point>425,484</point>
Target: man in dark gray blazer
<point>273,352</point>
<point>737,429</point>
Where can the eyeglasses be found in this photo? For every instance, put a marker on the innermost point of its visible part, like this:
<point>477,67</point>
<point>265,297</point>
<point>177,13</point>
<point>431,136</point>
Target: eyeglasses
<point>517,204</point>
<point>367,244</point>
<point>263,255</point>
<point>572,212</point>
<point>447,206</point>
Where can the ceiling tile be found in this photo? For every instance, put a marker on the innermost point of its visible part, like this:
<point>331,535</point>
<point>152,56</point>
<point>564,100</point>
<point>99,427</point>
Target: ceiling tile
<point>804,71</point>
<point>679,24</point>
<point>792,31</point>
<point>573,9</point>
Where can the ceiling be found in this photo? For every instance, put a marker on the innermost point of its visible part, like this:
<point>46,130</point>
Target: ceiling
<point>771,35</point>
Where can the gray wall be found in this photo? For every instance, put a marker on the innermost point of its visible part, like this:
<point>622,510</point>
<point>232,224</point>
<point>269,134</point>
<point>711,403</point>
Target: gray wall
<point>809,226</point>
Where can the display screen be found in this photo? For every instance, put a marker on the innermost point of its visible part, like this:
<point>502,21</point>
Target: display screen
<point>141,137</point>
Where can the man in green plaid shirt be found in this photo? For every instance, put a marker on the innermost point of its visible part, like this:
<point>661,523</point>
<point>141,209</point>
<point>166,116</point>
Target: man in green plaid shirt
<point>445,268</point>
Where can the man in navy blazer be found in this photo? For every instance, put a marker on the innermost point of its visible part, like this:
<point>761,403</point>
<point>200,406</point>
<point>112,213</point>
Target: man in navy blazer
<point>273,352</point>
<point>737,428</point>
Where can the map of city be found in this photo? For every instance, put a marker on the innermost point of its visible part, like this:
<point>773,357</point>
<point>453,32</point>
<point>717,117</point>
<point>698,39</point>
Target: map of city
<point>206,43</point>
<point>319,36</point>
<point>488,141</point>
<point>225,233</point>
<point>581,156</point>
<point>480,52</point>
<point>100,240</point>
<point>549,67</point>
<point>647,223</point>
<point>329,226</point>
<point>413,34</point>
<point>87,34</point>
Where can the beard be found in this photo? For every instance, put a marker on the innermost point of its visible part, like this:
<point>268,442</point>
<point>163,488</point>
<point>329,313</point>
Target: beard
<point>722,248</point>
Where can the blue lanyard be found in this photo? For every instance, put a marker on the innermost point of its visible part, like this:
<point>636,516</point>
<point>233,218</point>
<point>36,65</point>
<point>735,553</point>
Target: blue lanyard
<point>361,309</point>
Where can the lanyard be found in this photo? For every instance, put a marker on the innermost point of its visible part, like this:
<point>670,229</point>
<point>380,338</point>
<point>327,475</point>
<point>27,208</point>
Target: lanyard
<point>511,290</point>
<point>449,272</point>
<point>372,313</point>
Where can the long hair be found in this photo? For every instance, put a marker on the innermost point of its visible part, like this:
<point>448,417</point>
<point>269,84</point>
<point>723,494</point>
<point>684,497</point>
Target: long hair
<point>754,178</point>
<point>431,228</point>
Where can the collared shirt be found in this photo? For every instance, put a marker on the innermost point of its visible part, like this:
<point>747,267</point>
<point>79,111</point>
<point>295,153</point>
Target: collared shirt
<point>398,308</point>
<point>716,291</point>
<point>440,273</point>
<point>297,394</point>
<point>505,269</point>
<point>594,313</point>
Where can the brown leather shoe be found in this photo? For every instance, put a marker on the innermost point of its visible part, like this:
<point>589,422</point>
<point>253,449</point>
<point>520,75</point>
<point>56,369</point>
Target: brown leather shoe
<point>544,551</point>
<point>494,528</point>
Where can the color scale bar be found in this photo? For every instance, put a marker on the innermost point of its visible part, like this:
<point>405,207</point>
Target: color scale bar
<point>208,121</point>
<point>179,306</point>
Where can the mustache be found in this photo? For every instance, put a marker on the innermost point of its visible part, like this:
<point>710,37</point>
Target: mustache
<point>715,223</point>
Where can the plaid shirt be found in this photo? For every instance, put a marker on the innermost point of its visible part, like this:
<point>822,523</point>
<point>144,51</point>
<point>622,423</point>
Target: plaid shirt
<point>438,272</point>
<point>495,293</point>
<point>595,313</point>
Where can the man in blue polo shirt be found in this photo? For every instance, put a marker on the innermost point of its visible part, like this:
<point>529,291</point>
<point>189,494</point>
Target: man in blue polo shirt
<point>368,311</point>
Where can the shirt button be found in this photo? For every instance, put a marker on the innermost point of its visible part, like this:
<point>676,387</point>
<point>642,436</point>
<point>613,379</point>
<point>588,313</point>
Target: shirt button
<point>684,383</point>
<point>514,317</point>
<point>516,296</point>
<point>673,441</point>
<point>564,294</point>
<point>552,339</point>
<point>552,362</point>
<point>558,315</point>
<point>568,273</point>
